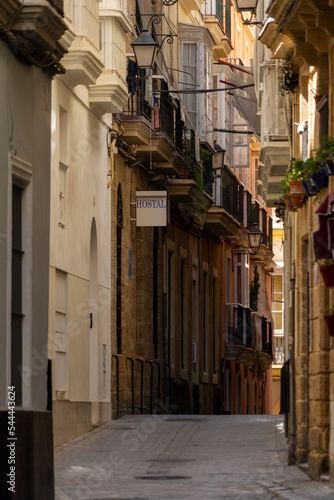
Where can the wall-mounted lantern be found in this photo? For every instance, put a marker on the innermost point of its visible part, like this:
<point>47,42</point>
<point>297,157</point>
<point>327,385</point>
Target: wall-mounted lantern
<point>255,237</point>
<point>145,48</point>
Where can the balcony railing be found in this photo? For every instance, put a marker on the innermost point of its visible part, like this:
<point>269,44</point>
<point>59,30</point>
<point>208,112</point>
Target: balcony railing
<point>270,234</point>
<point>241,196</point>
<point>279,355</point>
<point>266,336</point>
<point>208,179</point>
<point>248,210</point>
<point>222,11</point>
<point>162,110</point>
<point>256,213</point>
<point>264,225</point>
<point>239,325</point>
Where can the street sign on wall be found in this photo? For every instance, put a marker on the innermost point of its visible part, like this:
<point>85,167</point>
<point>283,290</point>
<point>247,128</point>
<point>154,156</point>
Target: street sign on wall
<point>151,208</point>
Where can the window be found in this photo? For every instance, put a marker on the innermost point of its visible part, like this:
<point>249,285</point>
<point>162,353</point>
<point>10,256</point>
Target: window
<point>17,307</point>
<point>194,319</point>
<point>323,109</point>
<point>209,95</point>
<point>119,58</point>
<point>155,289</point>
<point>190,79</point>
<point>183,312</point>
<point>170,308</point>
<point>214,327</point>
<point>277,307</point>
<point>205,321</point>
<point>61,339</point>
<point>63,164</point>
<point>227,25</point>
<point>119,270</point>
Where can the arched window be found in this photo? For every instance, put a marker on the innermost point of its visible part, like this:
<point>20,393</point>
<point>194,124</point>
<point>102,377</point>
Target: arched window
<point>119,269</point>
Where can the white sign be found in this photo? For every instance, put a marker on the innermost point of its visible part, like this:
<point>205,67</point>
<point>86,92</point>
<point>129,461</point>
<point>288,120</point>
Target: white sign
<point>151,208</point>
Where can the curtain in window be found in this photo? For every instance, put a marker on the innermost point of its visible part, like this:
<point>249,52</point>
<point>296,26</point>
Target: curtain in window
<point>190,78</point>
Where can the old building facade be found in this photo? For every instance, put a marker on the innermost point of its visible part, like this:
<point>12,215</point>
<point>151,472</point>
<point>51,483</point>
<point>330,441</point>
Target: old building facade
<point>30,53</point>
<point>298,69</point>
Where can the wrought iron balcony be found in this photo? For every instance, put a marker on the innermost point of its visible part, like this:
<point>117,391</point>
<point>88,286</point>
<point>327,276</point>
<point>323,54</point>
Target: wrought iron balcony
<point>266,228</point>
<point>229,194</point>
<point>239,325</point>
<point>267,337</point>
<point>162,109</point>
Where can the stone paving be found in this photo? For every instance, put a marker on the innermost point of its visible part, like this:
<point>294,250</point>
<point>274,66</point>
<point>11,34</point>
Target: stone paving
<point>239,457</point>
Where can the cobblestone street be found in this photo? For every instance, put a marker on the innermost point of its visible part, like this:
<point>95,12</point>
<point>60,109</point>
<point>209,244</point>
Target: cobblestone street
<point>183,457</point>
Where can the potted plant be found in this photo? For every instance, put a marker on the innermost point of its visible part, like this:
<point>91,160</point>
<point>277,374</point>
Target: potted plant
<point>295,175</point>
<point>285,188</point>
<point>315,173</point>
<point>329,318</point>
<point>325,154</point>
<point>327,271</point>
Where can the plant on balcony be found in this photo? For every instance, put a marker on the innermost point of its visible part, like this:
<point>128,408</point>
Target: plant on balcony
<point>291,184</point>
<point>314,172</point>
<point>327,271</point>
<point>196,169</point>
<point>285,188</point>
<point>254,288</point>
<point>260,364</point>
<point>325,154</point>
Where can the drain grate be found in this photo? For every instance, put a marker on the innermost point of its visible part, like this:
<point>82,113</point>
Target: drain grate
<point>159,478</point>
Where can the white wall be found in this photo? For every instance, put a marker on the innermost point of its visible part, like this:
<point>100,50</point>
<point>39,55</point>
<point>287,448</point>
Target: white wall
<point>25,134</point>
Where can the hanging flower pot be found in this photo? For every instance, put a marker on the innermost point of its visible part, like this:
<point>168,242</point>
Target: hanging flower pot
<point>329,167</point>
<point>297,199</point>
<point>320,179</point>
<point>288,204</point>
<point>327,271</point>
<point>310,190</point>
<point>296,187</point>
<point>329,318</point>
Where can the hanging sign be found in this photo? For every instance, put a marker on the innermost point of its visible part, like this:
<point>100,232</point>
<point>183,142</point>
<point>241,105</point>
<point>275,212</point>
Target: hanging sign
<point>151,208</point>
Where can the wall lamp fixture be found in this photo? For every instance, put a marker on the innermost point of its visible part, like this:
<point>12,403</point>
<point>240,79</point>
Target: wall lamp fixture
<point>218,160</point>
<point>145,48</point>
<point>248,6</point>
<point>255,236</point>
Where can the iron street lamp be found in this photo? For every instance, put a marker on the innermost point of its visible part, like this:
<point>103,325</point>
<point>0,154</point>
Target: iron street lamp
<point>218,159</point>
<point>255,237</point>
<point>248,6</point>
<point>145,50</point>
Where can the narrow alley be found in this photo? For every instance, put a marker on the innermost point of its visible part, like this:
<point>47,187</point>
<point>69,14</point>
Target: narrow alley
<point>240,457</point>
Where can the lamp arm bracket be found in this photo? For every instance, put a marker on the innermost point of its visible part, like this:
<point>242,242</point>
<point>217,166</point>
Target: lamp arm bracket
<point>168,3</point>
<point>156,19</point>
<point>169,40</point>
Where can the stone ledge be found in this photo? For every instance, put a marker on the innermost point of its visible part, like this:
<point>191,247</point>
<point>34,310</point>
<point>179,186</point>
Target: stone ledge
<point>32,31</point>
<point>83,63</point>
